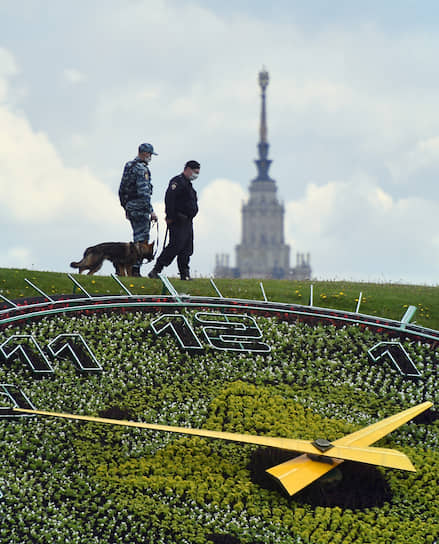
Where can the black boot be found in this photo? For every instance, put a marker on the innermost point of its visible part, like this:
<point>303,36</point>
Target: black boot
<point>184,275</point>
<point>154,274</point>
<point>136,272</point>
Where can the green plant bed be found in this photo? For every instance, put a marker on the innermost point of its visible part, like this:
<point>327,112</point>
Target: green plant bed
<point>86,482</point>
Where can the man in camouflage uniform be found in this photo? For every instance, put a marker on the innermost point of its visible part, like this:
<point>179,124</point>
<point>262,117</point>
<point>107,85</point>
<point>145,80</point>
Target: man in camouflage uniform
<point>135,196</point>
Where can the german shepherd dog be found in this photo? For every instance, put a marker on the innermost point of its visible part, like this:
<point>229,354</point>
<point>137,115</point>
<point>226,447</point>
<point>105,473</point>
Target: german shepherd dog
<point>122,254</point>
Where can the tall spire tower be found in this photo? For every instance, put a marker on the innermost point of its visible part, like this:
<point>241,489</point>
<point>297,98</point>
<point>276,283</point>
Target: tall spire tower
<point>263,164</point>
<point>262,252</point>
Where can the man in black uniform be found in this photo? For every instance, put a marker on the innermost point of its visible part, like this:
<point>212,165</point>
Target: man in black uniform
<point>181,207</point>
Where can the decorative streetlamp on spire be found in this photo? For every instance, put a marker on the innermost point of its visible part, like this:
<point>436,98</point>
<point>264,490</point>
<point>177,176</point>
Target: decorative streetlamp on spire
<point>263,164</point>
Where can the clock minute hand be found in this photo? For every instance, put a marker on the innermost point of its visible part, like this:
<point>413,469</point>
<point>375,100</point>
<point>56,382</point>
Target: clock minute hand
<point>337,449</point>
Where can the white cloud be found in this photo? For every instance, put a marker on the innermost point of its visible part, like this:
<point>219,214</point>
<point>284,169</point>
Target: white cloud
<point>35,184</point>
<point>424,154</point>
<point>73,76</point>
<point>355,230</point>
<point>46,206</point>
<point>328,95</point>
<point>218,223</point>
<point>19,255</point>
<point>8,66</point>
<point>8,69</point>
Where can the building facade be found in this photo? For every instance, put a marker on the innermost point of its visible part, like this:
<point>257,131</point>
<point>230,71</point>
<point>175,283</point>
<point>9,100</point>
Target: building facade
<point>263,252</point>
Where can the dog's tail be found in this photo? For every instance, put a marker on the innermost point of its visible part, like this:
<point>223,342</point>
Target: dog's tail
<point>78,264</point>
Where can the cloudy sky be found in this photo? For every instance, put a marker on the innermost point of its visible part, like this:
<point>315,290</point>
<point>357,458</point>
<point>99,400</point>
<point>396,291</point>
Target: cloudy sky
<point>353,125</point>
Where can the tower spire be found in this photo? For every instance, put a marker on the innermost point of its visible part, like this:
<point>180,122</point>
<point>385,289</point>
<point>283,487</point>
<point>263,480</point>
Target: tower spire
<point>262,163</point>
<point>263,83</point>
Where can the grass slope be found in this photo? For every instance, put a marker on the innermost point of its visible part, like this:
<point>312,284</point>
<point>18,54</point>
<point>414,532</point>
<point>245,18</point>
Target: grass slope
<point>383,300</point>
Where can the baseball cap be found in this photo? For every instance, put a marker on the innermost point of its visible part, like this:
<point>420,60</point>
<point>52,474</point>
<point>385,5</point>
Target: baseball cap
<point>146,148</point>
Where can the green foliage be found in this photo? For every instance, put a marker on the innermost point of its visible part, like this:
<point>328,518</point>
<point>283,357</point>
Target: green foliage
<point>66,481</point>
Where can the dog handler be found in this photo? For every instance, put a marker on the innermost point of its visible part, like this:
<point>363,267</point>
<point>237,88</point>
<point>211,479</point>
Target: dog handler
<point>181,206</point>
<point>135,192</point>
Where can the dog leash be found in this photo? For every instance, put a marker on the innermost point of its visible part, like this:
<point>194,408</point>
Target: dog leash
<point>166,236</point>
<point>156,240</point>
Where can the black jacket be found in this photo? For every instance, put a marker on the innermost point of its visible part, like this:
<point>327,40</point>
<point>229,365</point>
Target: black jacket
<point>180,199</point>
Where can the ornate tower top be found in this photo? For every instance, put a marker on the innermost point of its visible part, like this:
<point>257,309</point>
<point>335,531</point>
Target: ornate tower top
<point>263,164</point>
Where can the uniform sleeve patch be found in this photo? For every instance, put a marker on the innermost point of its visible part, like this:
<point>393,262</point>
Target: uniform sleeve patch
<point>173,186</point>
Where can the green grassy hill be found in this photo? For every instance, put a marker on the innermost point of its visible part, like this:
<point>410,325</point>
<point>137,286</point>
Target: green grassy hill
<point>383,300</point>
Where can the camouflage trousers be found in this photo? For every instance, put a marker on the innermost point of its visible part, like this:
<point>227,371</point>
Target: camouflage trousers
<point>139,218</point>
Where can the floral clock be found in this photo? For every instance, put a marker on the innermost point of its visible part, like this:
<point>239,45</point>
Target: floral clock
<point>239,366</point>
